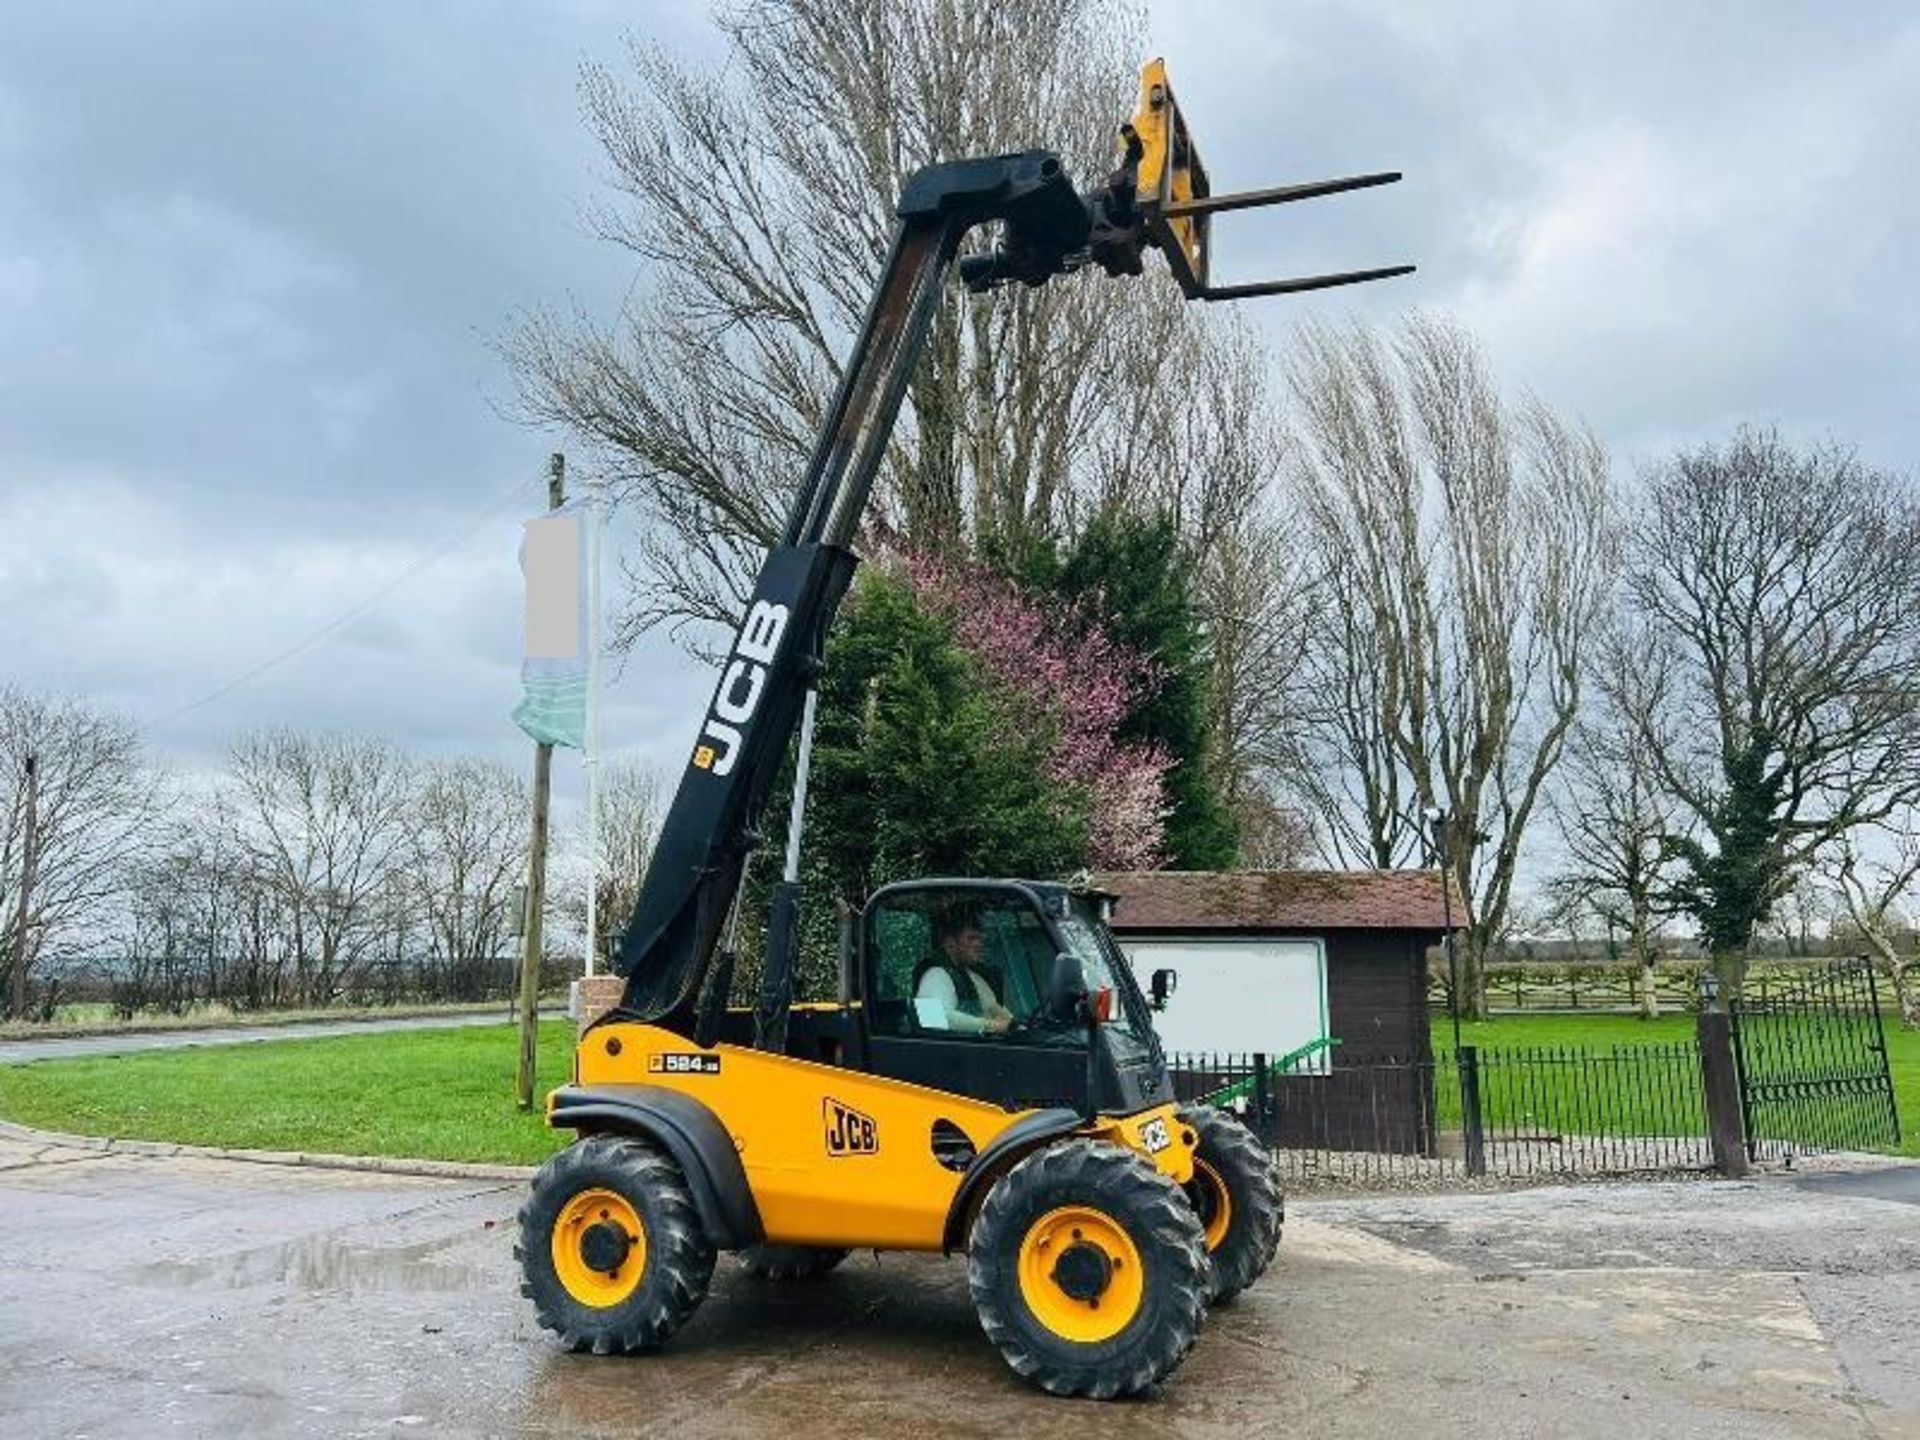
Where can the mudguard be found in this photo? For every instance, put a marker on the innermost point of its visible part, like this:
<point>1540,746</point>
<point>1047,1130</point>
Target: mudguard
<point>1000,1156</point>
<point>691,1133</point>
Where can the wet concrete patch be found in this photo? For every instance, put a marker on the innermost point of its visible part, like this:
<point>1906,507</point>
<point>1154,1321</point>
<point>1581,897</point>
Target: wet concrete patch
<point>319,1262</point>
<point>1897,1183</point>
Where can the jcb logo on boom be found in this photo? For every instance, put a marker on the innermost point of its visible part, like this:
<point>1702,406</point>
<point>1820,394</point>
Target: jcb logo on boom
<point>740,687</point>
<point>849,1132</point>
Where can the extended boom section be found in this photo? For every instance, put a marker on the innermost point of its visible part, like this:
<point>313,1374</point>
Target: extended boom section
<point>1158,198</point>
<point>698,864</point>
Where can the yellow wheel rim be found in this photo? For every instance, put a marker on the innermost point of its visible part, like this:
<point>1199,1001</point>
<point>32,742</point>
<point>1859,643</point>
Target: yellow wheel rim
<point>593,1228</point>
<point>1212,1202</point>
<point>1069,1252</point>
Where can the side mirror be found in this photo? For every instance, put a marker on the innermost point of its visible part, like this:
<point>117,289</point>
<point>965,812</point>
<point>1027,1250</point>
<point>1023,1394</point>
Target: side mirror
<point>1066,989</point>
<point>1162,986</point>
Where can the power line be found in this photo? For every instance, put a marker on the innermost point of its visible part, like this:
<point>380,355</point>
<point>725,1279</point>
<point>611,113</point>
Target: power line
<point>300,647</point>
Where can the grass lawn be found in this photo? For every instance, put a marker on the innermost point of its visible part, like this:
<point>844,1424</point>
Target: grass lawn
<point>434,1094</point>
<point>1603,1032</point>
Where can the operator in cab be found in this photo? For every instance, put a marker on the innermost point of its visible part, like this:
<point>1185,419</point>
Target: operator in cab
<point>951,980</point>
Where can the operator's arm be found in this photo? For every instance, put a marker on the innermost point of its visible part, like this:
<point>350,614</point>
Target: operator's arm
<point>998,1017</point>
<point>937,985</point>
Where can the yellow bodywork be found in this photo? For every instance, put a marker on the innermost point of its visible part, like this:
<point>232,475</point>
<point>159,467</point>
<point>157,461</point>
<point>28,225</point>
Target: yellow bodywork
<point>1170,168</point>
<point>838,1157</point>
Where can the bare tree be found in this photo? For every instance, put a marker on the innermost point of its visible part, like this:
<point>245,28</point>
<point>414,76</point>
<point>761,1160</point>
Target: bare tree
<point>1274,835</point>
<point>1774,590</point>
<point>225,933</point>
<point>1345,763</point>
<point>758,197</point>
<point>1251,590</point>
<point>465,852</point>
<point>1469,546</point>
<point>323,820</point>
<point>1256,615</point>
<point>1874,871</point>
<point>172,945</point>
<point>1805,921</point>
<point>94,806</point>
<point>631,810</point>
<point>1615,822</point>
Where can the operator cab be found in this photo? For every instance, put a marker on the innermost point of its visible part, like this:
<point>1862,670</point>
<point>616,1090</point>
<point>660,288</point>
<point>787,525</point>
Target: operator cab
<point>1010,991</point>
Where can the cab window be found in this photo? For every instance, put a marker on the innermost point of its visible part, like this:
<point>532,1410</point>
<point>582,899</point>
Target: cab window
<point>956,963</point>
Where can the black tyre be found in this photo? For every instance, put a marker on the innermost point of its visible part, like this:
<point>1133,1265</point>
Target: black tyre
<point>611,1251</point>
<point>790,1262</point>
<point>1236,1195</point>
<point>1089,1270</point>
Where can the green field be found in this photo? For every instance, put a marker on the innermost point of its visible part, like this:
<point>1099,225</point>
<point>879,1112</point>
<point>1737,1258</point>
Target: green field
<point>434,1094</point>
<point>448,1094</point>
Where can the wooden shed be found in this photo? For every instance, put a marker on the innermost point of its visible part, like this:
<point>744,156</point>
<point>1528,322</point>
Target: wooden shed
<point>1270,960</point>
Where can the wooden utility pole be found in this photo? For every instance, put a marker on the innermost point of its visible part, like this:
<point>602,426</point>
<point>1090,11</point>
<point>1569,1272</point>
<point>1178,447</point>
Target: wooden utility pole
<point>536,867</point>
<point>18,1000</point>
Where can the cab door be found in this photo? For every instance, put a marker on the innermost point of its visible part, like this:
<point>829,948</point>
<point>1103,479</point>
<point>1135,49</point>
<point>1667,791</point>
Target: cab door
<point>954,976</point>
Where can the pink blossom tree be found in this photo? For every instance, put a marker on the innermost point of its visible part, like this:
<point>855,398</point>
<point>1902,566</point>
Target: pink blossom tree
<point>1050,666</point>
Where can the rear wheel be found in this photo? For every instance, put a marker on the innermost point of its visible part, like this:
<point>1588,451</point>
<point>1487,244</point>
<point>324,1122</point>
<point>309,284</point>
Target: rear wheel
<point>790,1262</point>
<point>1236,1196</point>
<point>1089,1270</point>
<point>611,1251</point>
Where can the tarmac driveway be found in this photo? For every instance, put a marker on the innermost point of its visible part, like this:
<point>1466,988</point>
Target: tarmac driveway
<point>153,1295</point>
<point>133,1041</point>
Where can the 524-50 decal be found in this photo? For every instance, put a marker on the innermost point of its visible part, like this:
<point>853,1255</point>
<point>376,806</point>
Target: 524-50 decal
<point>677,1064</point>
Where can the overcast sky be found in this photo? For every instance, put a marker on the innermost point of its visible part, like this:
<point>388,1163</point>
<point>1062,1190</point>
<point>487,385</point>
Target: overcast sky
<point>252,257</point>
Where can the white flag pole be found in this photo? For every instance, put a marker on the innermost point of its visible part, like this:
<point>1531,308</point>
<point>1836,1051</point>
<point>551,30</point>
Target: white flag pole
<point>596,500</point>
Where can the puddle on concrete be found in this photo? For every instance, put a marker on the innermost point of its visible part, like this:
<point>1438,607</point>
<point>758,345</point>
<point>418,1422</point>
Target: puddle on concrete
<point>319,1262</point>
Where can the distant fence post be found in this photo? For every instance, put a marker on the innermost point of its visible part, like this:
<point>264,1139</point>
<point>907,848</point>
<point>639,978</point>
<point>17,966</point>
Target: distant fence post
<point>1726,1135</point>
<point>1880,1044</point>
<point>1472,1121</point>
<point>1264,1125</point>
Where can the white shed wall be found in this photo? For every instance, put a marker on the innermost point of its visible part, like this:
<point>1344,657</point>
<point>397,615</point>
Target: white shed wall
<point>1245,994</point>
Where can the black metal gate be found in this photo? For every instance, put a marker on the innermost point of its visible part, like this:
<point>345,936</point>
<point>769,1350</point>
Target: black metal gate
<point>1812,1060</point>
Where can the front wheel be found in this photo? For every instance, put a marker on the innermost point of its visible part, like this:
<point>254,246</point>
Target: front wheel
<point>1237,1197</point>
<point>1089,1270</point>
<point>611,1251</point>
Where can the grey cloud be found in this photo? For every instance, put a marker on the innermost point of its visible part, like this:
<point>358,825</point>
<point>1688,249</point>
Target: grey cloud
<point>1668,219</point>
<point>251,257</point>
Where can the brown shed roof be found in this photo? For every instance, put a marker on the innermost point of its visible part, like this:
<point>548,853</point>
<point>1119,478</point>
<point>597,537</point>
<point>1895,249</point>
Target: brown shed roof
<point>1278,900</point>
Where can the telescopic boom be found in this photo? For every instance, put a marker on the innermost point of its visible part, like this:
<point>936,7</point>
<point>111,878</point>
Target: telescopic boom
<point>1157,198</point>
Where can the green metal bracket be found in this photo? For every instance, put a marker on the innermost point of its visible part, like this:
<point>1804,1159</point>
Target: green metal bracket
<point>1240,1088</point>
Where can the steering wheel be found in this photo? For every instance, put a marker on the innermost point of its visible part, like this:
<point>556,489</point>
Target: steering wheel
<point>1038,1023</point>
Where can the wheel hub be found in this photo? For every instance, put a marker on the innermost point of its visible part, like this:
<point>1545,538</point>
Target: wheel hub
<point>1212,1202</point>
<point>1083,1272</point>
<point>599,1247</point>
<point>604,1247</point>
<point>1080,1274</point>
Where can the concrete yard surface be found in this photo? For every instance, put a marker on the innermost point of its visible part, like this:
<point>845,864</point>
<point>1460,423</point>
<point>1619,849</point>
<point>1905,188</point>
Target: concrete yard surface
<point>148,1295</point>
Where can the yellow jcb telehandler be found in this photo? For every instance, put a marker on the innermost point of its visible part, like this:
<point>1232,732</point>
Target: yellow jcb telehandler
<point>989,1081</point>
